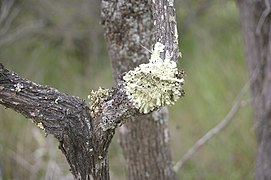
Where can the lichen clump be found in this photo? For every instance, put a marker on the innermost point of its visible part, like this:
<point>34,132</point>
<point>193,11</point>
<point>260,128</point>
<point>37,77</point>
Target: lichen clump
<point>96,98</point>
<point>40,125</point>
<point>18,87</point>
<point>156,84</point>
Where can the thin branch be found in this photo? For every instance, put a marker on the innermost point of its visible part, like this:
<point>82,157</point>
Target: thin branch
<point>202,7</point>
<point>246,102</point>
<point>9,20</point>
<point>8,13</point>
<point>218,128</point>
<point>5,9</point>
<point>21,32</point>
<point>263,17</point>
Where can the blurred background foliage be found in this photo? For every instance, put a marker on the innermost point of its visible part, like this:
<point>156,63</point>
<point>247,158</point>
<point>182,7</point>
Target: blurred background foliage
<point>61,44</point>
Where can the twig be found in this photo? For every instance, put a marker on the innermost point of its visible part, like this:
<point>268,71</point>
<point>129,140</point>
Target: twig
<point>5,27</point>
<point>21,32</point>
<point>237,104</point>
<point>5,9</point>
<point>265,13</point>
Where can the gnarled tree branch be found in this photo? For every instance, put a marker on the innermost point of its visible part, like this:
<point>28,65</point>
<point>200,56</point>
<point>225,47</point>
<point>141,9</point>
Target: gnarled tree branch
<point>83,140</point>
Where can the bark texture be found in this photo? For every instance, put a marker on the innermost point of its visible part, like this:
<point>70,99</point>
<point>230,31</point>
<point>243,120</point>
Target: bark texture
<point>255,22</point>
<point>130,26</point>
<point>84,140</point>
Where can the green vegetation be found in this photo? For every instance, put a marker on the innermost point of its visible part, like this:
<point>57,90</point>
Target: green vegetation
<point>211,45</point>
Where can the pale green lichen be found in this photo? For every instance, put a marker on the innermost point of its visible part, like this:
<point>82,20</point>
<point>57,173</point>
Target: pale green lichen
<point>156,84</point>
<point>18,87</point>
<point>171,19</point>
<point>170,2</point>
<point>96,97</point>
<point>40,125</point>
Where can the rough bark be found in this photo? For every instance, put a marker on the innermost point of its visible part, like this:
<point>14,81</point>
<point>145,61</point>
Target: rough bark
<point>255,22</point>
<point>130,26</point>
<point>84,140</point>
<point>85,132</point>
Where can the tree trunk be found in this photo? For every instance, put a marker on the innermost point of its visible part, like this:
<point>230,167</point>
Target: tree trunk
<point>85,131</point>
<point>255,22</point>
<point>130,26</point>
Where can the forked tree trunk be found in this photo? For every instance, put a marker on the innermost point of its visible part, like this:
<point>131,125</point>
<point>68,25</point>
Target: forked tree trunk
<point>131,27</point>
<point>84,132</point>
<point>255,20</point>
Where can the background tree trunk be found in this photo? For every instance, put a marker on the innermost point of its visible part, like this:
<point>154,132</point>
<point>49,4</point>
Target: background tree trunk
<point>255,22</point>
<point>129,27</point>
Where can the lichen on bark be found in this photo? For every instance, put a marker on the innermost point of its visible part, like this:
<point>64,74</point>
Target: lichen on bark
<point>155,84</point>
<point>95,99</point>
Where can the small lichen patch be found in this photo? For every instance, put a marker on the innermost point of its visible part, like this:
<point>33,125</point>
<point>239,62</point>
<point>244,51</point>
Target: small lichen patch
<point>171,19</point>
<point>96,97</point>
<point>170,2</point>
<point>100,157</point>
<point>180,54</point>
<point>40,125</point>
<point>57,99</point>
<point>156,84</point>
<point>18,87</point>
<point>176,33</point>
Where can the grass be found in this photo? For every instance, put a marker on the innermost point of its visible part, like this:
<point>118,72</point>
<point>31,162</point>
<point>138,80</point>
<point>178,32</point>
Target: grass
<point>214,63</point>
<point>215,73</point>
